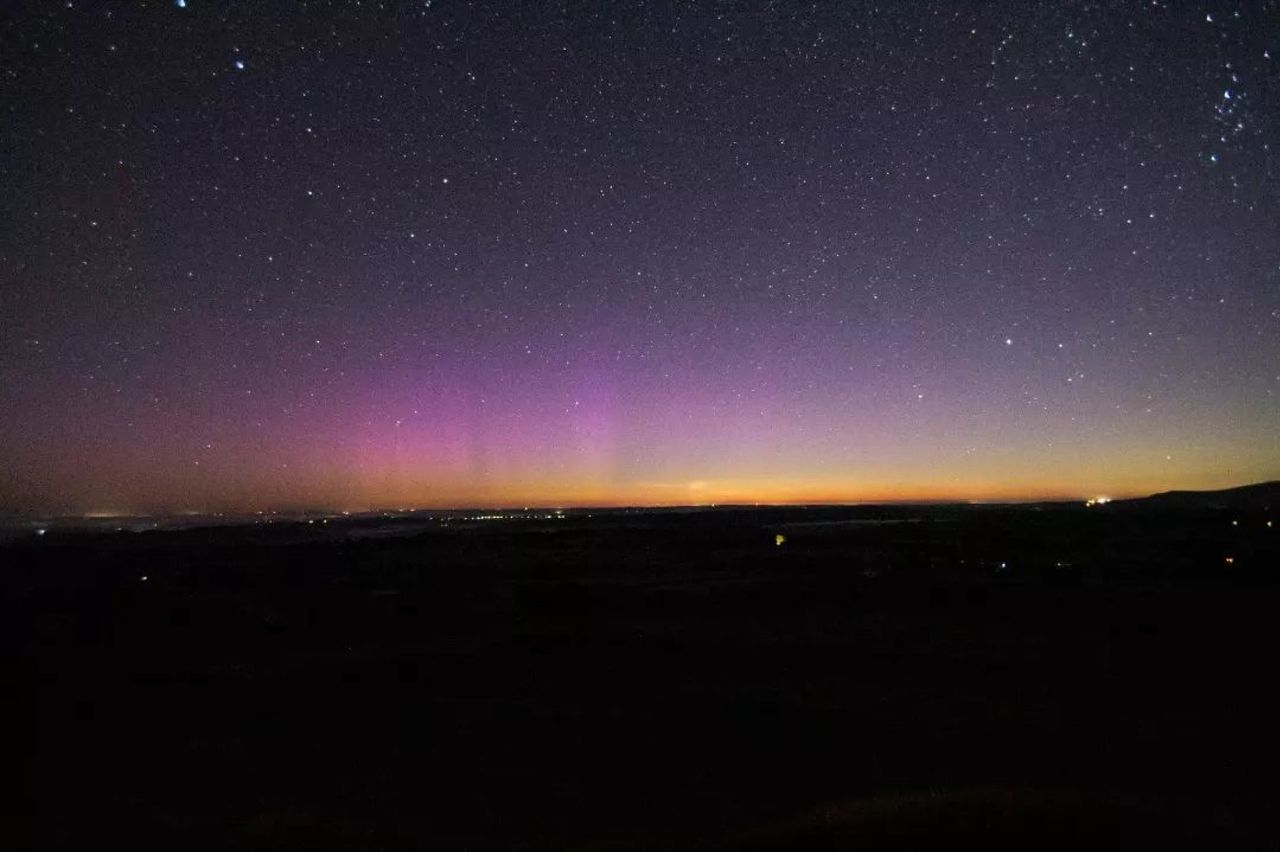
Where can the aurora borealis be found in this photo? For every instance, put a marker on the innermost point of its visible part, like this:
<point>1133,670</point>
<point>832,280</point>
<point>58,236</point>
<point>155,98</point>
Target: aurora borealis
<point>425,254</point>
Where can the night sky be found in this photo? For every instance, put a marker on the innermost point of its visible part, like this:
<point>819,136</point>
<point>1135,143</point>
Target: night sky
<point>355,255</point>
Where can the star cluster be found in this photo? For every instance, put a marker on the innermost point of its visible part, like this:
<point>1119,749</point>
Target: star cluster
<point>439,253</point>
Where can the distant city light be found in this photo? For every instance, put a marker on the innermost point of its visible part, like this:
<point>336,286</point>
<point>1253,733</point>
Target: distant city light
<point>1097,501</point>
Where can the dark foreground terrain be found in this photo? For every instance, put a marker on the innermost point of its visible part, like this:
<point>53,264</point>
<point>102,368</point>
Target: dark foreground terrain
<point>1006,677</point>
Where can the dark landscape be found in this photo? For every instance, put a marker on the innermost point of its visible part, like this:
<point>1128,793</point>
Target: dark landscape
<point>934,346</point>
<point>1020,676</point>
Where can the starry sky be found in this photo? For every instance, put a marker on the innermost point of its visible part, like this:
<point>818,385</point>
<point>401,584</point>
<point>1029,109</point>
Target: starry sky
<point>361,255</point>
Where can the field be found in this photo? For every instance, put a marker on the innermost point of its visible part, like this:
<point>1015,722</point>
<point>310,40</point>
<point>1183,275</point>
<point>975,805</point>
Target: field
<point>878,677</point>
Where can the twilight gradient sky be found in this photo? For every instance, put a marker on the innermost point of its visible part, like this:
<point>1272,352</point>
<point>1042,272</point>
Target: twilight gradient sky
<point>354,255</point>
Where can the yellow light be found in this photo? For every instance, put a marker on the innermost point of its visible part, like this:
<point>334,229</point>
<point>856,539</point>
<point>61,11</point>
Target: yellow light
<point>779,540</point>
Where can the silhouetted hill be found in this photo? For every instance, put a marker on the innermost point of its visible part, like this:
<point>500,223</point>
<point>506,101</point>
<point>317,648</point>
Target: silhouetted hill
<point>1261,495</point>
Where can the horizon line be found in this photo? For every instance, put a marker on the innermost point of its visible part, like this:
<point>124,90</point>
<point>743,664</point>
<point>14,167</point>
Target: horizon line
<point>107,514</point>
